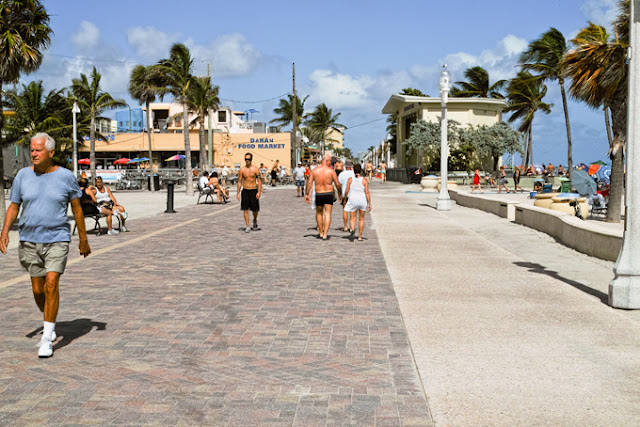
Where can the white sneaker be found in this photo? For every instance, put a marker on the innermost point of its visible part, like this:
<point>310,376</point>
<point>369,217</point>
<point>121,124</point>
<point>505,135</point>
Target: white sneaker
<point>46,349</point>
<point>112,232</point>
<point>247,230</point>
<point>53,338</point>
<point>124,215</point>
<point>123,229</point>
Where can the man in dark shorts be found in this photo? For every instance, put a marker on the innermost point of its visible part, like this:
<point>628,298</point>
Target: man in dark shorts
<point>249,188</point>
<point>324,178</point>
<point>44,191</point>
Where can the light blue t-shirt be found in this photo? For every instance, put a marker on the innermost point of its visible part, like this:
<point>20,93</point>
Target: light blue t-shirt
<point>44,199</point>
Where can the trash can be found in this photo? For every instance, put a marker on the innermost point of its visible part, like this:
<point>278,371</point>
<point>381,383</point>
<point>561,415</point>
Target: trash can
<point>156,182</point>
<point>565,185</point>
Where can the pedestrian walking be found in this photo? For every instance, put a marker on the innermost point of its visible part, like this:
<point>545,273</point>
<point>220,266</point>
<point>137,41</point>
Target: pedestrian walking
<point>250,188</point>
<point>476,181</point>
<point>44,191</point>
<point>358,200</point>
<point>383,172</point>
<point>298,176</point>
<point>274,172</point>
<point>503,180</point>
<point>344,178</point>
<point>324,178</point>
<point>516,179</point>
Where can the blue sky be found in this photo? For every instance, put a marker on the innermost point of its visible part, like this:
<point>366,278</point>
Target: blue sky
<point>350,54</point>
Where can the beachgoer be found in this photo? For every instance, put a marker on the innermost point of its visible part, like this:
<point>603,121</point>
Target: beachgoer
<point>250,188</point>
<point>222,193</point>
<point>44,191</point>
<point>105,198</point>
<point>476,181</point>
<point>324,178</point>
<point>298,176</point>
<point>344,178</point>
<point>516,179</point>
<point>503,180</point>
<point>383,172</point>
<point>263,173</point>
<point>89,204</point>
<point>369,170</point>
<point>359,200</point>
<point>274,172</point>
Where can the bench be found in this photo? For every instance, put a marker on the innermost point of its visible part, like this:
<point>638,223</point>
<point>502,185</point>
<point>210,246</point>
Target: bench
<point>96,226</point>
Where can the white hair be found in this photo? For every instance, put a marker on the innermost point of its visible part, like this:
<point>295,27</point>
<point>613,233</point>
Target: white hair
<point>49,143</point>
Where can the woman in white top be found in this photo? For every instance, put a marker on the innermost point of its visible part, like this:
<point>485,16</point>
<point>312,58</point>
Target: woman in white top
<point>105,197</point>
<point>358,200</point>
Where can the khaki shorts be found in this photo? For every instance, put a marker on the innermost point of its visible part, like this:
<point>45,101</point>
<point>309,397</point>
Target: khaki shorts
<point>40,258</point>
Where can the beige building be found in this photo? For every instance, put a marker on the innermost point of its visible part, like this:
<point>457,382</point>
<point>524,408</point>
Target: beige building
<point>466,111</point>
<point>228,148</point>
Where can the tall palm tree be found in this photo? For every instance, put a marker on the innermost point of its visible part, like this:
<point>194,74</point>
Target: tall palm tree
<point>93,101</point>
<point>145,87</point>
<point>525,95</point>
<point>24,31</point>
<point>478,85</point>
<point>323,118</point>
<point>599,77</point>
<point>545,56</point>
<point>176,76</point>
<point>285,111</point>
<point>201,97</point>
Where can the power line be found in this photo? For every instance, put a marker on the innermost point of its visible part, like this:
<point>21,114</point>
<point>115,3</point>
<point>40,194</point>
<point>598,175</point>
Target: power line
<point>365,123</point>
<point>256,102</point>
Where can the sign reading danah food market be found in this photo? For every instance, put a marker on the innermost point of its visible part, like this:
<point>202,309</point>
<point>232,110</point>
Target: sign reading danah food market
<point>261,143</point>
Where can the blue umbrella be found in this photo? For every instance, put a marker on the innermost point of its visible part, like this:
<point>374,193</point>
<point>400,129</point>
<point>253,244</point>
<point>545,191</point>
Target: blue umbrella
<point>583,183</point>
<point>251,111</point>
<point>138,160</point>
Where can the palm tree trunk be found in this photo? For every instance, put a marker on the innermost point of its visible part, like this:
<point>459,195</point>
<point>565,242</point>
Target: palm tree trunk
<point>607,123</point>
<point>3,206</point>
<point>187,151</point>
<point>619,127</point>
<point>566,120</point>
<point>149,130</point>
<point>525,152</point>
<point>203,144</point>
<point>530,154</point>
<point>92,147</point>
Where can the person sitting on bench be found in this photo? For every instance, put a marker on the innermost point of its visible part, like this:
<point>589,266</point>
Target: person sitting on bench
<point>221,192</point>
<point>105,198</point>
<point>90,205</point>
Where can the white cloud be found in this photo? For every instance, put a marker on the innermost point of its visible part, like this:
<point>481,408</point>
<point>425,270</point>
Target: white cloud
<point>340,91</point>
<point>601,12</point>
<point>150,43</point>
<point>87,36</point>
<point>231,55</point>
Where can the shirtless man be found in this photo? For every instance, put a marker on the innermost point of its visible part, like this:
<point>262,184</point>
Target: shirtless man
<point>251,185</point>
<point>324,177</point>
<point>369,170</point>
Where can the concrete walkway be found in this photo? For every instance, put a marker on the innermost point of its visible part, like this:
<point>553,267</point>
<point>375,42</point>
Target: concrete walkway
<point>459,318</point>
<point>507,326</point>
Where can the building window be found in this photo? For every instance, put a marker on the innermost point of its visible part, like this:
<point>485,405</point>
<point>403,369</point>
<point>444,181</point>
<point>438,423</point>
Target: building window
<point>222,116</point>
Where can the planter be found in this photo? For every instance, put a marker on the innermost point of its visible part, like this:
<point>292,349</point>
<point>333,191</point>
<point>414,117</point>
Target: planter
<point>451,185</point>
<point>562,204</point>
<point>544,200</point>
<point>429,183</point>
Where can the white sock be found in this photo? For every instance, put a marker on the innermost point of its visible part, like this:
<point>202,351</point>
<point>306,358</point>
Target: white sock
<point>48,329</point>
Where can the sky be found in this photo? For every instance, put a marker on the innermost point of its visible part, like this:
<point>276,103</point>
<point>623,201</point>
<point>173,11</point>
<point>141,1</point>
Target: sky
<point>351,55</point>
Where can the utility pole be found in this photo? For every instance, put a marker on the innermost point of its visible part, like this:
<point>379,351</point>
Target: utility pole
<point>294,116</point>
<point>209,127</point>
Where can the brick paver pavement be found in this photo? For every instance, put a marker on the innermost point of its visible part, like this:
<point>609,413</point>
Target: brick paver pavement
<point>188,320</point>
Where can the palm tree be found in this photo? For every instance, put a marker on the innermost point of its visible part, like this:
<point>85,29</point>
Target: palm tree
<point>24,31</point>
<point>201,97</point>
<point>93,101</point>
<point>285,112</point>
<point>176,76</point>
<point>599,77</point>
<point>525,95</point>
<point>323,118</point>
<point>144,86</point>
<point>545,56</point>
<point>478,85</point>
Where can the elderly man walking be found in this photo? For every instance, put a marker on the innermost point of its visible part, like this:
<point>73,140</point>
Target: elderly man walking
<point>323,177</point>
<point>44,191</point>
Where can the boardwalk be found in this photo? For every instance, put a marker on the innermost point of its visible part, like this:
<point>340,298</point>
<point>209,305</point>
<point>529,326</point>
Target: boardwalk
<point>188,320</point>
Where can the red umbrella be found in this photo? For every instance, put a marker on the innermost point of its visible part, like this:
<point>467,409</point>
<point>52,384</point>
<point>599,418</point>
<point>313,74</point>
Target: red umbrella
<point>84,162</point>
<point>122,161</point>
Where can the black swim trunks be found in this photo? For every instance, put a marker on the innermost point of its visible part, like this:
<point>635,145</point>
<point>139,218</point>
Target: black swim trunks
<point>249,201</point>
<point>324,199</point>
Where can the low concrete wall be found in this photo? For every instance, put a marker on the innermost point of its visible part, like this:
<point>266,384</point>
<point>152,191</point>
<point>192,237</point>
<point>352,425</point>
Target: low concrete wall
<point>571,231</point>
<point>566,228</point>
<point>502,208</point>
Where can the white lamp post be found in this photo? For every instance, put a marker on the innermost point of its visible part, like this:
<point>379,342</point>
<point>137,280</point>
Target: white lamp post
<point>444,202</point>
<point>624,289</point>
<point>75,110</point>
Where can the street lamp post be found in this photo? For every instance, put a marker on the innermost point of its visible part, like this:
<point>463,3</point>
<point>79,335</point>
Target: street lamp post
<point>444,202</point>
<point>75,110</point>
<point>624,289</point>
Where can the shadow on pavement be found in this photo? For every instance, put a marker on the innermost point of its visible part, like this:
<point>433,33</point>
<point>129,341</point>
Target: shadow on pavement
<point>537,268</point>
<point>434,207</point>
<point>70,331</point>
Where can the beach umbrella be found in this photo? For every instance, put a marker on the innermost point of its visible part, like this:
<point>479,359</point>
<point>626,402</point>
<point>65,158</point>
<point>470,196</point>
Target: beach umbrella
<point>84,161</point>
<point>138,160</point>
<point>599,162</point>
<point>593,168</point>
<point>176,157</point>
<point>583,183</point>
<point>122,161</point>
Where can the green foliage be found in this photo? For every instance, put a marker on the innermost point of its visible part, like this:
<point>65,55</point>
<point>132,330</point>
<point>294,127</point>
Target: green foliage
<point>493,141</point>
<point>477,85</point>
<point>409,91</point>
<point>285,111</point>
